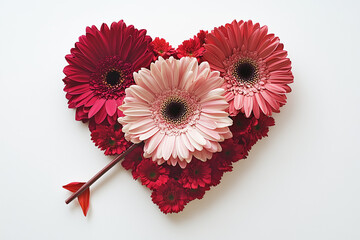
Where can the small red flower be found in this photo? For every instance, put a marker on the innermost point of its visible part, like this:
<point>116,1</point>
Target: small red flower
<point>241,124</point>
<point>191,48</point>
<point>202,35</point>
<point>196,173</point>
<point>197,193</point>
<point>133,159</point>
<point>161,48</point>
<point>84,198</point>
<point>170,197</point>
<point>231,152</point>
<point>151,174</point>
<point>110,138</point>
<point>261,126</point>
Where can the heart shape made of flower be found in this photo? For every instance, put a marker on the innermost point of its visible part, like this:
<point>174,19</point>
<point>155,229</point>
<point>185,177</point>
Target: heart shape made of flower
<point>192,111</point>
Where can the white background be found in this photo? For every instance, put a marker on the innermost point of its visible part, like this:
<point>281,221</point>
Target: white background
<point>302,182</point>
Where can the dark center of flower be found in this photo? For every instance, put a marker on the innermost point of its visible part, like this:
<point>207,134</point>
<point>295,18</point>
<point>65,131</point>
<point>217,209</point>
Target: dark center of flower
<point>111,142</point>
<point>171,197</point>
<point>113,78</point>
<point>152,175</point>
<point>246,71</point>
<point>174,110</point>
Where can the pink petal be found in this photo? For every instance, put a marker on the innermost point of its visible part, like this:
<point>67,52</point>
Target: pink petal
<point>248,105</point>
<point>110,107</point>
<point>96,107</point>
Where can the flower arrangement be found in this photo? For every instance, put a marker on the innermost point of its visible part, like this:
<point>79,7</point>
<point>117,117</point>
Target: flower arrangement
<point>177,118</point>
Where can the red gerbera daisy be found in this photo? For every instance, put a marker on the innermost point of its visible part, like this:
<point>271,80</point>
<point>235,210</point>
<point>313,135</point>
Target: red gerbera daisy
<point>197,193</point>
<point>161,48</point>
<point>170,197</point>
<point>101,67</point>
<point>133,159</point>
<point>261,126</point>
<point>191,48</point>
<point>231,152</point>
<point>202,35</point>
<point>110,138</point>
<point>241,124</point>
<point>151,174</point>
<point>196,174</point>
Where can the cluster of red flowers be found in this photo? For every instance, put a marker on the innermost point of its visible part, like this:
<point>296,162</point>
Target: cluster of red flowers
<point>194,47</point>
<point>102,64</point>
<point>173,187</point>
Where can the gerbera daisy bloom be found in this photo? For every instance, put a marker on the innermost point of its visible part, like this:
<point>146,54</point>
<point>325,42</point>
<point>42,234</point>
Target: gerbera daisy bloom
<point>190,48</point>
<point>133,159</point>
<point>177,108</point>
<point>254,65</point>
<point>170,197</point>
<point>161,48</point>
<point>231,152</point>
<point>202,35</point>
<point>101,67</point>
<point>197,193</point>
<point>151,174</point>
<point>242,124</point>
<point>196,174</point>
<point>110,138</point>
<point>261,126</point>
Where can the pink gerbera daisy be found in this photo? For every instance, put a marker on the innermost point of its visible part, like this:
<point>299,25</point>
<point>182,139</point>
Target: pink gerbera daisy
<point>177,108</point>
<point>254,64</point>
<point>101,67</point>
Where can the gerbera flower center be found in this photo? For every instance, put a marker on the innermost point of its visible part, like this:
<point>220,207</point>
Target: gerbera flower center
<point>246,71</point>
<point>174,110</point>
<point>113,78</point>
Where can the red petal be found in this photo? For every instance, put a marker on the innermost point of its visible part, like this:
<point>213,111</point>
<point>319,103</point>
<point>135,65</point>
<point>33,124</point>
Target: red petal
<point>73,186</point>
<point>84,201</point>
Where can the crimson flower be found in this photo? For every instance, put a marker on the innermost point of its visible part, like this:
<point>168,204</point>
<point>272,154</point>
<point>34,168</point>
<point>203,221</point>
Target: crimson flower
<point>261,126</point>
<point>101,67</point>
<point>133,159</point>
<point>197,193</point>
<point>151,174</point>
<point>110,138</point>
<point>202,35</point>
<point>241,124</point>
<point>161,48</point>
<point>196,174</point>
<point>191,48</point>
<point>170,197</point>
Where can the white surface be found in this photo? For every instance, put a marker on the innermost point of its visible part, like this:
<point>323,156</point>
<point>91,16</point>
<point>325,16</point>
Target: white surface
<point>300,183</point>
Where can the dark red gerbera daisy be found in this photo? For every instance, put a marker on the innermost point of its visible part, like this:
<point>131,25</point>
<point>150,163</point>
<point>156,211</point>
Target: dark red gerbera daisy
<point>170,197</point>
<point>151,174</point>
<point>161,48</point>
<point>197,193</point>
<point>133,159</point>
<point>231,152</point>
<point>241,124</point>
<point>110,138</point>
<point>196,173</point>
<point>202,35</point>
<point>260,128</point>
<point>101,67</point>
<point>191,48</point>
